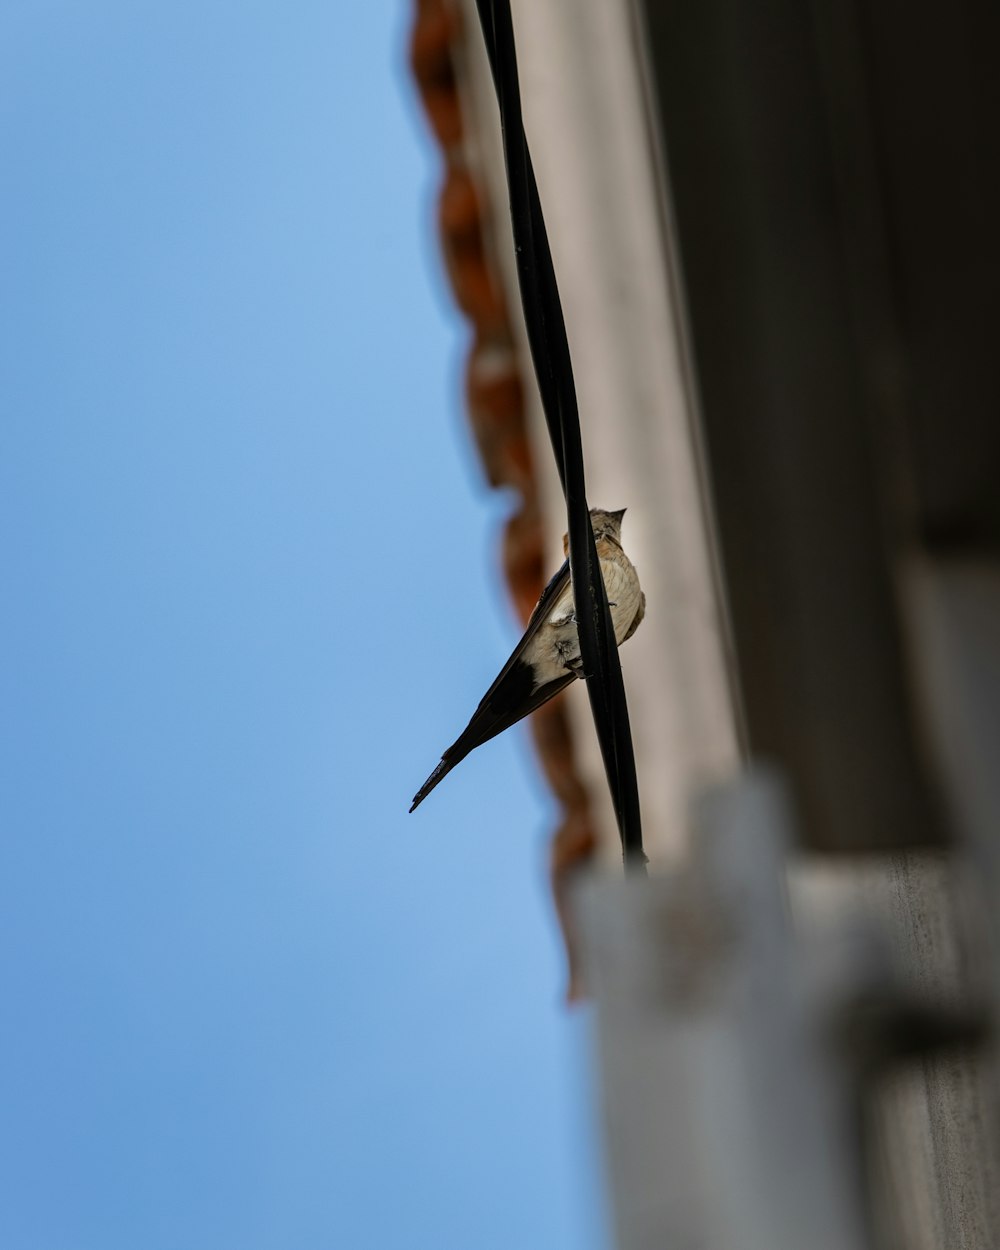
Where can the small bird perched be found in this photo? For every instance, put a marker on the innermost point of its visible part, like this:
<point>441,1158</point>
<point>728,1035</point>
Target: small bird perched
<point>548,658</point>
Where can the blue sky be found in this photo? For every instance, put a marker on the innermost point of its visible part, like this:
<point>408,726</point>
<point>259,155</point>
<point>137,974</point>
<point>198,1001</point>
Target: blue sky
<point>250,592</point>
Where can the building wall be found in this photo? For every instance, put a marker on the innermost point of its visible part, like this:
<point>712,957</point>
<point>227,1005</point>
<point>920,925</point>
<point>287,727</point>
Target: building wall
<point>595,158</point>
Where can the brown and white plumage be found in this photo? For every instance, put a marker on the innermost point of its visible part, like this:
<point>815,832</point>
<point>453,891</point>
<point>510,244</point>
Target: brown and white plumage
<point>547,658</point>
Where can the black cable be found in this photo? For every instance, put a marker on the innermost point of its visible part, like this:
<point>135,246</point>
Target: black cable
<point>554,370</point>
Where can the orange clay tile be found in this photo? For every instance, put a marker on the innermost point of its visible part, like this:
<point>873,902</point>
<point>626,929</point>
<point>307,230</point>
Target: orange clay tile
<point>461,223</point>
<point>495,402</point>
<point>436,28</point>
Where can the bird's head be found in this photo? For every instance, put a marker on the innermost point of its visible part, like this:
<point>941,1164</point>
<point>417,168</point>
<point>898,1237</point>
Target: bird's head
<point>605,525</point>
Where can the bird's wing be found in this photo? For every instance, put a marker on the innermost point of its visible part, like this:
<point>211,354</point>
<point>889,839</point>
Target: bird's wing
<point>546,600</point>
<point>512,695</point>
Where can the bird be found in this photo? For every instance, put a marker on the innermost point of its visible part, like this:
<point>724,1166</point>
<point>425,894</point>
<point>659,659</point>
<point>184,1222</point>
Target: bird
<point>547,658</point>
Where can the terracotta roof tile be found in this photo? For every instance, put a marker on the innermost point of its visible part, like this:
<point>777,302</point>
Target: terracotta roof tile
<point>495,401</point>
<point>574,844</point>
<point>461,221</point>
<point>437,27</point>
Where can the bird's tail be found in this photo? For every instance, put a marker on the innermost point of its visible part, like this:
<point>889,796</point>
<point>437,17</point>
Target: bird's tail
<point>491,719</point>
<point>486,724</point>
<point>450,758</point>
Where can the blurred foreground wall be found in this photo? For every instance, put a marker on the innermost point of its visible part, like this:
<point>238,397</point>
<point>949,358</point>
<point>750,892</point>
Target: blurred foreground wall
<point>774,229</point>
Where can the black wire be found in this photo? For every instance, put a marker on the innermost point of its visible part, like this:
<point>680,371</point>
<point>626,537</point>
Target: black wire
<point>550,355</point>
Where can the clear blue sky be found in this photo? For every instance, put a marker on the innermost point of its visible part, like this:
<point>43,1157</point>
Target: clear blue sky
<point>249,593</point>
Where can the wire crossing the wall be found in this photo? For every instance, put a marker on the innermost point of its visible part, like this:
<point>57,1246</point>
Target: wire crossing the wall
<point>550,356</point>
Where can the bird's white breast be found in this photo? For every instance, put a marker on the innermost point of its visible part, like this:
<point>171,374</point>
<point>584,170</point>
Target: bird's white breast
<point>622,585</point>
<point>557,644</point>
